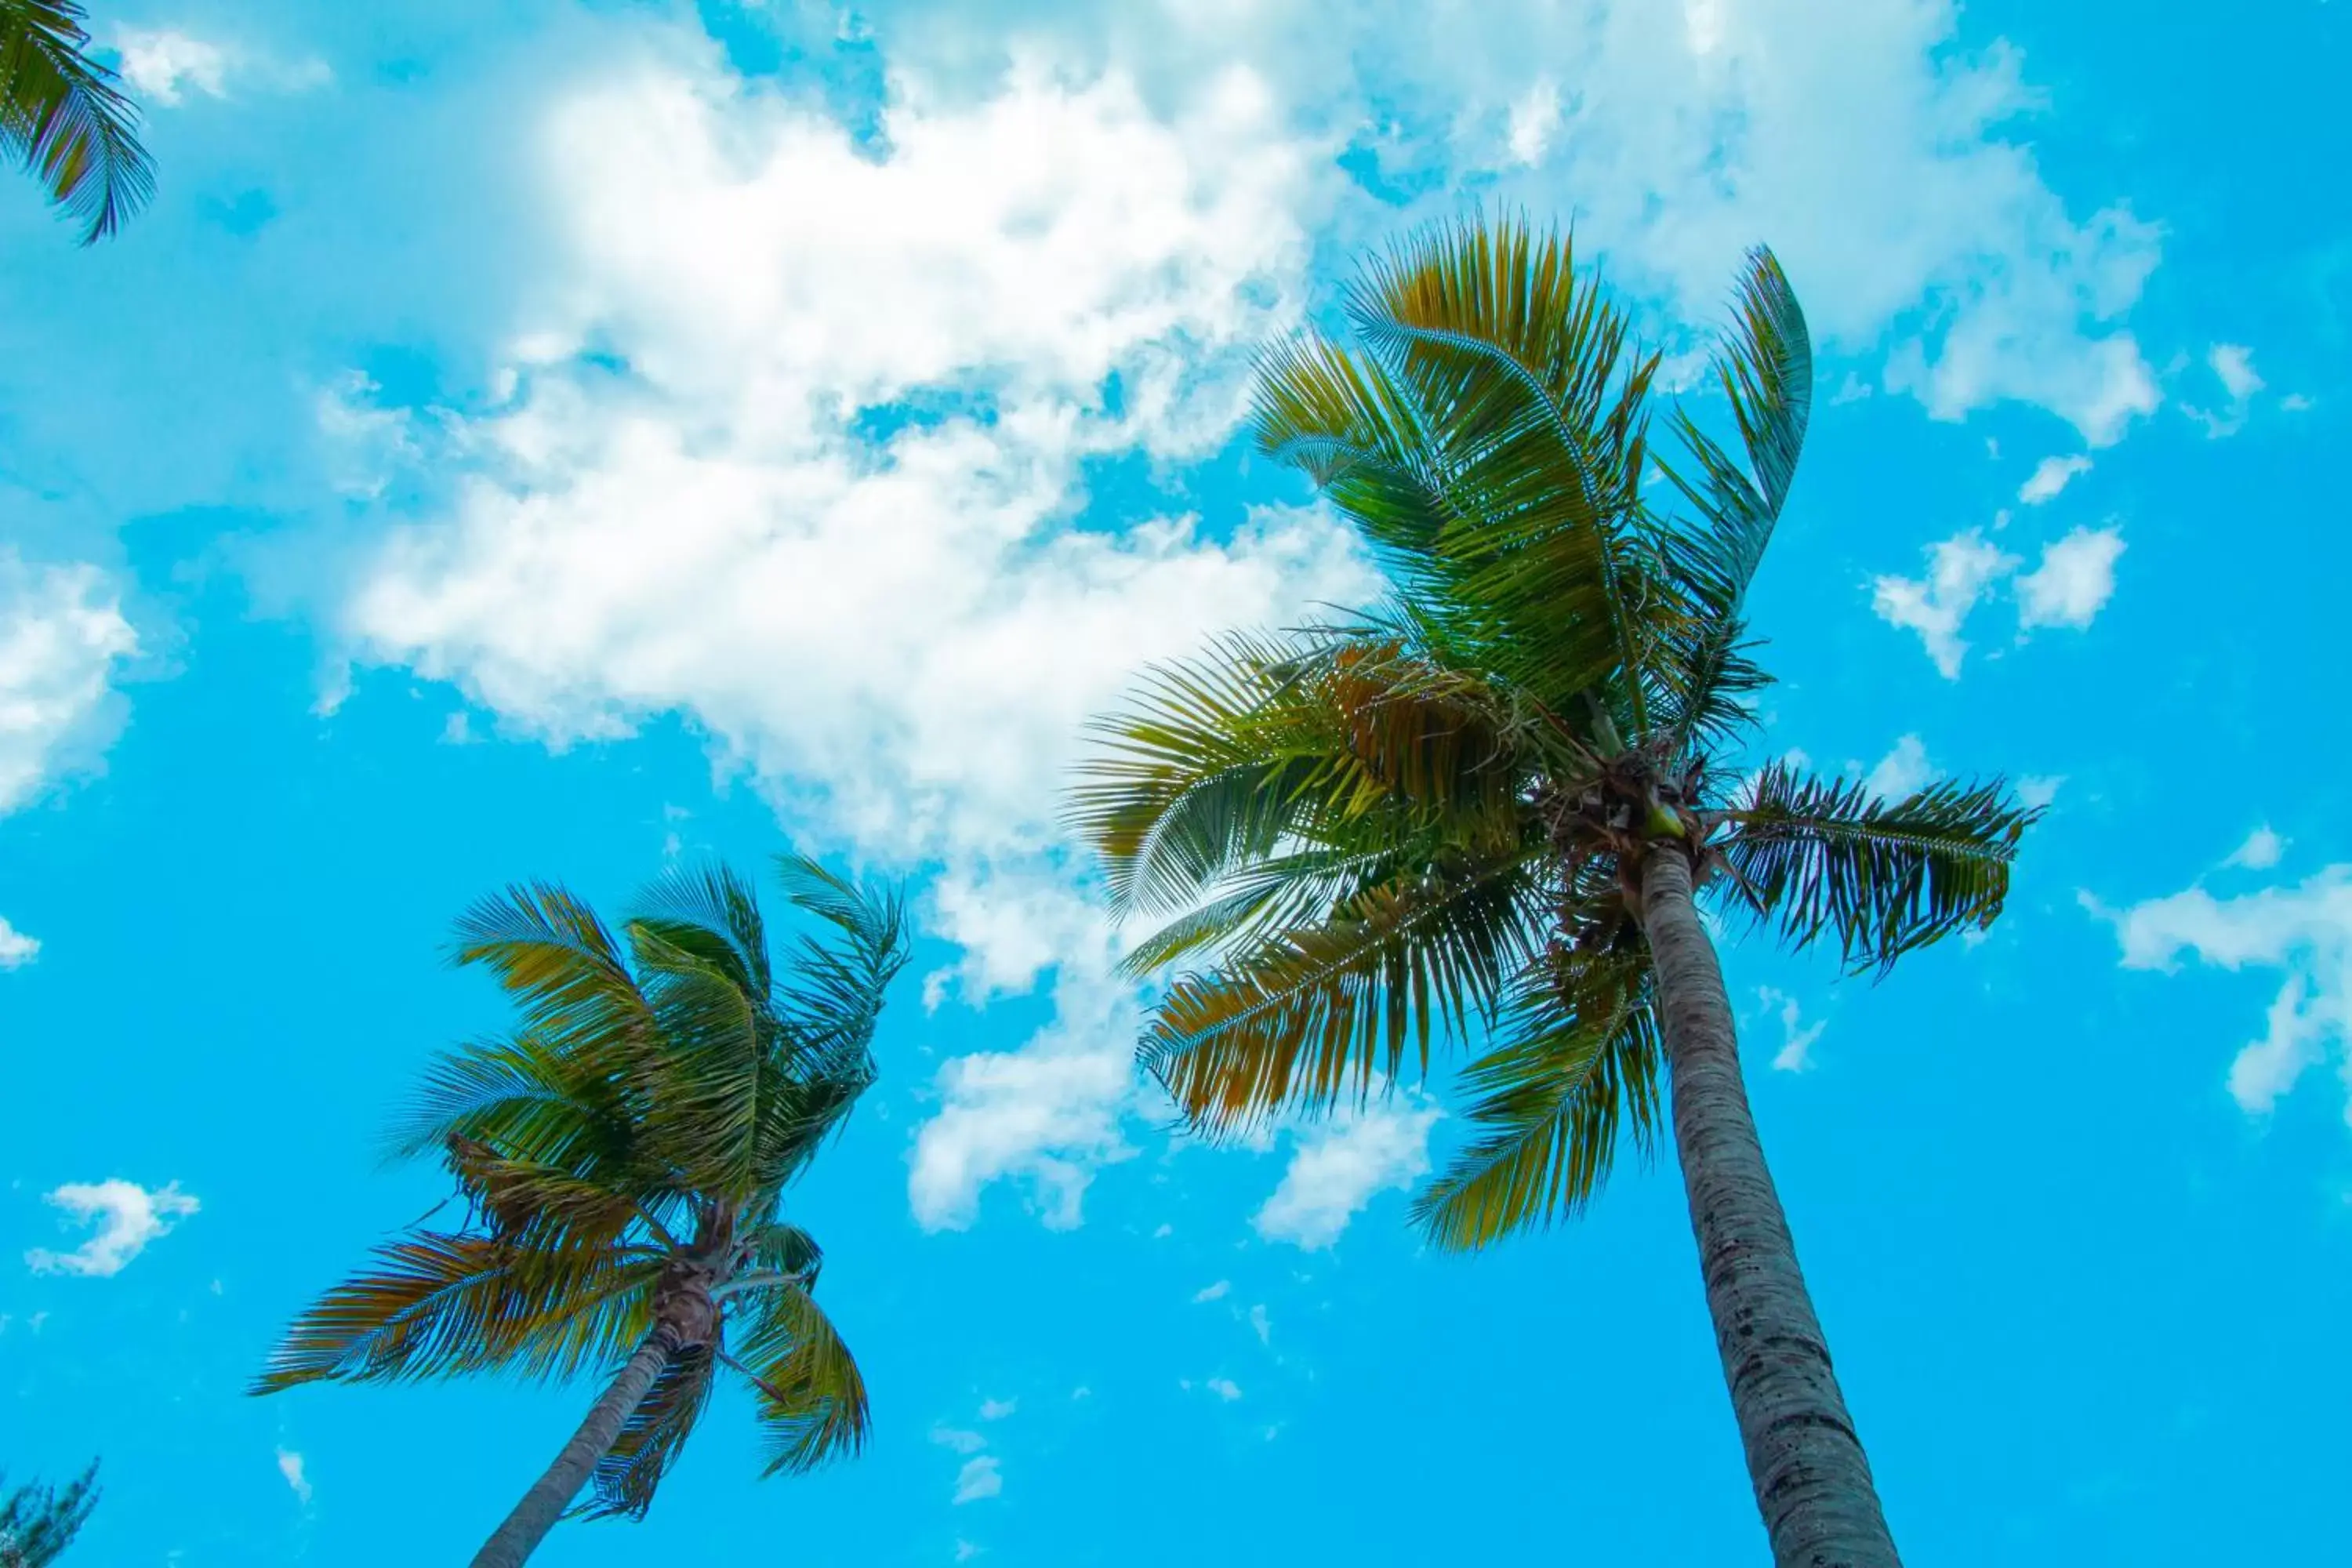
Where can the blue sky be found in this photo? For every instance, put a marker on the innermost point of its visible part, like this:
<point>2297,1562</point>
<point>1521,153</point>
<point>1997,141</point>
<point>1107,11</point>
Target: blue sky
<point>554,444</point>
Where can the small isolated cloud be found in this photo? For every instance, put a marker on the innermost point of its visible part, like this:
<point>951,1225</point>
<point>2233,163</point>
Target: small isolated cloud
<point>1262,1325</point>
<point>127,1216</point>
<point>978,1479</point>
<point>1225,1388</point>
<point>1901,773</point>
<point>289,1465</point>
<point>2073,582</point>
<point>2051,476</point>
<point>1936,607</point>
<point>2232,365</point>
<point>2304,930</point>
<point>62,633</point>
<point>16,949</point>
<point>957,1439</point>
<point>163,65</point>
<point>1339,1163</point>
<point>965,1551</point>
<point>997,1409</point>
<point>2038,791</point>
<point>1534,120</point>
<point>1797,1037</point>
<point>1215,1292</point>
<point>2260,852</point>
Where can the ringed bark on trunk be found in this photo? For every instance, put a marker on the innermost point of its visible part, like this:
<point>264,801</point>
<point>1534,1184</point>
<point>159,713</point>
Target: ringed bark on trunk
<point>1813,1480</point>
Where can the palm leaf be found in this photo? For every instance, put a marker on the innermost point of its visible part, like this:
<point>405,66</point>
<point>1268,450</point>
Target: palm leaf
<point>811,1395</point>
<point>1581,1063</point>
<point>1815,856</point>
<point>1322,1010</point>
<point>64,118</point>
<point>653,1435</point>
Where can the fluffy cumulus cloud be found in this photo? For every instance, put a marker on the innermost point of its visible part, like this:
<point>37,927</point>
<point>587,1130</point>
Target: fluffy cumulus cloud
<point>1797,1037</point>
<point>2069,587</point>
<point>16,949</point>
<point>2301,931</point>
<point>1901,772</point>
<point>1337,1166</point>
<point>291,1466</point>
<point>1936,607</point>
<point>2232,365</point>
<point>800,431</point>
<point>2073,582</point>
<point>123,1218</point>
<point>63,636</point>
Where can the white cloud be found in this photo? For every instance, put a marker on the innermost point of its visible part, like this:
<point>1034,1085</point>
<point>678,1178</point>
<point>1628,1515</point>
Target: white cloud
<point>1215,1292</point>
<point>2232,365</point>
<point>957,1439</point>
<point>127,1216</point>
<point>62,634</point>
<point>852,447</point>
<point>2260,852</point>
<point>1338,1164</point>
<point>1262,1325</point>
<point>997,1409</point>
<point>2039,790</point>
<point>162,66</point>
<point>978,1479</point>
<point>289,1465</point>
<point>2051,476</point>
<point>2073,582</point>
<point>1959,570</point>
<point>2304,929</point>
<point>1797,1037</point>
<point>16,949</point>
<point>1535,119</point>
<point>1903,772</point>
<point>1225,1388</point>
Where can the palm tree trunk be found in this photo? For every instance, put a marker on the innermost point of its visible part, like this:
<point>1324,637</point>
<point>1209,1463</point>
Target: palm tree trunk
<point>1813,1482</point>
<point>541,1506</point>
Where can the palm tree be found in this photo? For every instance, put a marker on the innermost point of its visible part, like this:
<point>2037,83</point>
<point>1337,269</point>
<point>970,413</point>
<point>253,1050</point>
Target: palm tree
<point>1487,807</point>
<point>37,1522</point>
<point>62,116</point>
<point>624,1156</point>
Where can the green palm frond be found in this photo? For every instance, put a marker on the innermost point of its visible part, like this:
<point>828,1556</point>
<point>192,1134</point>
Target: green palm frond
<point>1580,1065</point>
<point>65,118</point>
<point>653,1436</point>
<point>811,1395</point>
<point>532,1204</point>
<point>39,1521</point>
<point>1810,856</point>
<point>527,1098</point>
<point>438,1303</point>
<point>1320,741</point>
<point>711,913</point>
<point>1322,1011</point>
<point>561,965</point>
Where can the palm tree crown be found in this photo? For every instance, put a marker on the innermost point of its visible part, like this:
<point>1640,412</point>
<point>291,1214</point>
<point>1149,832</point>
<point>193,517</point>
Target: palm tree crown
<point>63,117</point>
<point>1430,819</point>
<point>624,1156</point>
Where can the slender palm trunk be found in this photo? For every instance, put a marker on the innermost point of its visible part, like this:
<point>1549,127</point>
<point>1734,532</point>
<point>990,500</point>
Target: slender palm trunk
<point>541,1506</point>
<point>1813,1482</point>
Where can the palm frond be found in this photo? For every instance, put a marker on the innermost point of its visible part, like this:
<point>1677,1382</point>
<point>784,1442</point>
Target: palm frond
<point>1814,857</point>
<point>712,913</point>
<point>1319,1012</point>
<point>39,1521</point>
<point>561,965</point>
<point>811,1395</point>
<point>63,116</point>
<point>526,1097</point>
<point>653,1435</point>
<point>438,1303</point>
<point>1580,1065</point>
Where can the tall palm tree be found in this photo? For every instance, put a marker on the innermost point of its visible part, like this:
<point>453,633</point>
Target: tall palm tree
<point>62,116</point>
<point>37,1522</point>
<point>1488,808</point>
<point>623,1157</point>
